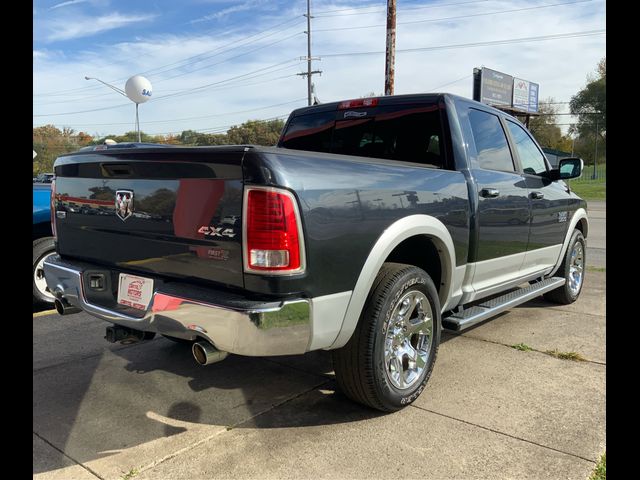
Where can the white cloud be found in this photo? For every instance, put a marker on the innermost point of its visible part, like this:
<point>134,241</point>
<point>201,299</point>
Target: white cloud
<point>68,3</point>
<point>78,27</point>
<point>559,66</point>
<point>251,4</point>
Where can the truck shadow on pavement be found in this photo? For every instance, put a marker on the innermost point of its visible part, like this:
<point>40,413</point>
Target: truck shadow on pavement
<point>127,397</point>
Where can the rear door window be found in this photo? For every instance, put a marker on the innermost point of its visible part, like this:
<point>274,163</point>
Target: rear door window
<point>407,133</point>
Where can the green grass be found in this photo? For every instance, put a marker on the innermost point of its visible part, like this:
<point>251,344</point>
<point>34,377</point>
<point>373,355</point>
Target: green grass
<point>574,356</point>
<point>589,191</point>
<point>591,188</point>
<point>600,472</point>
<point>130,474</point>
<point>523,347</point>
<point>596,269</point>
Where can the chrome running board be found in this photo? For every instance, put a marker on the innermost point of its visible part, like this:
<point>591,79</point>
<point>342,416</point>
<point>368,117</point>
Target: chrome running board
<point>482,311</point>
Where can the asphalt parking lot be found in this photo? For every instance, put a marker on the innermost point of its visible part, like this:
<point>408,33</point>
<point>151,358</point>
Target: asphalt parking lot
<point>148,411</point>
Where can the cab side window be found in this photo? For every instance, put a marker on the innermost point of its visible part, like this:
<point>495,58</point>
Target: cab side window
<point>491,142</point>
<point>532,160</point>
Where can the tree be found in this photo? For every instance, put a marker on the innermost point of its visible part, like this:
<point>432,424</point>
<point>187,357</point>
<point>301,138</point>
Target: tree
<point>545,129</point>
<point>590,104</point>
<point>258,132</point>
<point>50,142</point>
<point>130,137</point>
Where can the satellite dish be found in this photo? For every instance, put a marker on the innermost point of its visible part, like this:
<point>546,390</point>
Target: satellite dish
<point>138,89</point>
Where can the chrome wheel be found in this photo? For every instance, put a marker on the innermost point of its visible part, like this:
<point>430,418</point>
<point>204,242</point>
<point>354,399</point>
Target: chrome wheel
<point>576,268</point>
<point>408,340</point>
<point>38,278</point>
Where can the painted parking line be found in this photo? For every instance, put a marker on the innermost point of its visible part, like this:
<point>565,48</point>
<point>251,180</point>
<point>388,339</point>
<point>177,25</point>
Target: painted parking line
<point>44,312</point>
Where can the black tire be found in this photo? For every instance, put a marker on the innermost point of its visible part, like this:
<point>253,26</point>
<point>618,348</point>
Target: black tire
<point>564,295</point>
<point>177,340</point>
<point>42,248</point>
<point>360,365</point>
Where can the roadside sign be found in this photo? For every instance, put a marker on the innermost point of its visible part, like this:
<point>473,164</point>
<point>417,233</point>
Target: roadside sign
<point>34,154</point>
<point>495,87</point>
<point>525,95</point>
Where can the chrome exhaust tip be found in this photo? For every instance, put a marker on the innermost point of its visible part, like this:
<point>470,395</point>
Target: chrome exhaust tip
<point>206,354</point>
<point>65,308</point>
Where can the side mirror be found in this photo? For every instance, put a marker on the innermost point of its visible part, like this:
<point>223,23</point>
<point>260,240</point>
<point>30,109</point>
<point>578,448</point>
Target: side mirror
<point>567,168</point>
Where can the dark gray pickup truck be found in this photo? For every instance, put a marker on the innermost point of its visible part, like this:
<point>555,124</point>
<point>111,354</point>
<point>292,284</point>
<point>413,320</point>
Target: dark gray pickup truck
<point>371,226</point>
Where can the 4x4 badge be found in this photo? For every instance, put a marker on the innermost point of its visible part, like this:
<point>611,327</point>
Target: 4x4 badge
<point>124,204</point>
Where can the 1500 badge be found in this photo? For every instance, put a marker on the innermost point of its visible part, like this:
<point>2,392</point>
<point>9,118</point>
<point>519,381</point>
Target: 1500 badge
<point>217,232</point>
<point>562,216</point>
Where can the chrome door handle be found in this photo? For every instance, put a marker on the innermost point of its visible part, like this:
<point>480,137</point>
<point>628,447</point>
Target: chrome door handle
<point>489,192</point>
<point>537,195</point>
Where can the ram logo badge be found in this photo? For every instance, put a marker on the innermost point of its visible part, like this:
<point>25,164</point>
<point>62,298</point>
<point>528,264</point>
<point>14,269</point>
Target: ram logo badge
<point>562,216</point>
<point>124,204</point>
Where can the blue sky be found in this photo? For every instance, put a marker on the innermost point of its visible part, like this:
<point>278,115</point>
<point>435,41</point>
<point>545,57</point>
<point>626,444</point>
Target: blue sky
<point>215,63</point>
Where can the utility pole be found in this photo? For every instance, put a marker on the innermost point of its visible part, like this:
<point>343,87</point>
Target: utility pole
<point>389,70</point>
<point>308,73</point>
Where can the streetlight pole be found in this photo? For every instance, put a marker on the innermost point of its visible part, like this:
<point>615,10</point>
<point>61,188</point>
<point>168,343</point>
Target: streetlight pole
<point>123,93</point>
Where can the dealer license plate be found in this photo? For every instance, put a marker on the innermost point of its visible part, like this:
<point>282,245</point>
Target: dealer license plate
<point>134,291</point>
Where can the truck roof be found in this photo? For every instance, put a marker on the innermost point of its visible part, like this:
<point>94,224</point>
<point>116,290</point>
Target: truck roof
<point>411,98</point>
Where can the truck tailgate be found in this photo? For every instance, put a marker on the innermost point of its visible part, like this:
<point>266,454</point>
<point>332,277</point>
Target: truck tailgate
<point>171,212</point>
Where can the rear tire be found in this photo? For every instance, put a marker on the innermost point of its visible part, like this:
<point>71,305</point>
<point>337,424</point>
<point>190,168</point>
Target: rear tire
<point>42,248</point>
<point>572,269</point>
<point>389,358</point>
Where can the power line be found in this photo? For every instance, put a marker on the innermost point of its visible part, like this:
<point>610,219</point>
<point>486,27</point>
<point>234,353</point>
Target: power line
<point>497,12</point>
<point>188,91</point>
<point>85,89</point>
<point>451,83</point>
<point>424,7</point>
<point>223,128</point>
<point>479,44</point>
<point>227,59</point>
<point>237,45</point>
<point>192,118</point>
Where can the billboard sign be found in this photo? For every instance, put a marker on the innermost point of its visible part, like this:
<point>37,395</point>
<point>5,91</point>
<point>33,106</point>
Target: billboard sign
<point>534,88</point>
<point>502,90</point>
<point>496,88</point>
<point>525,95</point>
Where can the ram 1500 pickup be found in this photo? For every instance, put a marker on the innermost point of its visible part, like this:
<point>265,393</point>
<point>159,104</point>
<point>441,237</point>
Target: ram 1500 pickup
<point>374,224</point>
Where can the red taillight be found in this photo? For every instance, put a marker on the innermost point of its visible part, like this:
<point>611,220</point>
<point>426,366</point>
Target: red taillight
<point>52,208</point>
<point>360,102</point>
<point>272,237</point>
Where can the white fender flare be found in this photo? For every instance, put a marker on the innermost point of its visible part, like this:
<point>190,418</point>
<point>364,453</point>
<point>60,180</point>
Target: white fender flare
<point>395,234</point>
<point>578,215</point>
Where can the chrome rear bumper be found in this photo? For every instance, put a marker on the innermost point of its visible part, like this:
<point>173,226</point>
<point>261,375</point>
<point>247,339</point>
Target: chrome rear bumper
<point>282,328</point>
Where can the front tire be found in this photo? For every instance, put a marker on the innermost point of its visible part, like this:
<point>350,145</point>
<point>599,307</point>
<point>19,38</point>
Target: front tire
<point>389,358</point>
<point>42,248</point>
<point>572,269</point>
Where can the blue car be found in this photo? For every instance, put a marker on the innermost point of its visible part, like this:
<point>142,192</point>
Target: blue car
<point>43,245</point>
